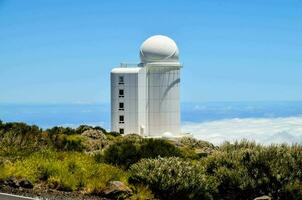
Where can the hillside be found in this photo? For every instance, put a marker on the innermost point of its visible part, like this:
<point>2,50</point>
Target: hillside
<point>90,163</point>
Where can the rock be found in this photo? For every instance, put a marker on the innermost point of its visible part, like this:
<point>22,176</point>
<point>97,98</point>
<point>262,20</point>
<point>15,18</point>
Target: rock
<point>94,134</point>
<point>265,197</point>
<point>11,182</point>
<point>26,184</point>
<point>117,189</point>
<point>1,183</point>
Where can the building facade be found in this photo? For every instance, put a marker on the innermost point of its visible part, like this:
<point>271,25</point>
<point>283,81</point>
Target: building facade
<point>145,98</point>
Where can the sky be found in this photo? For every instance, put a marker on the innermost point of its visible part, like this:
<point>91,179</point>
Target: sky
<point>62,51</point>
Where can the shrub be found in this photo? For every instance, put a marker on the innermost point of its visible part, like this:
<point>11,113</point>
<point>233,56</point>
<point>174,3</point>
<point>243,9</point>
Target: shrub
<point>130,150</point>
<point>82,128</point>
<point>114,134</point>
<point>100,175</point>
<point>152,148</point>
<point>193,143</point>
<point>61,130</point>
<point>74,143</point>
<point>292,190</point>
<point>238,145</point>
<point>245,170</point>
<point>122,153</point>
<point>19,138</point>
<point>141,192</point>
<point>170,178</point>
<point>134,138</point>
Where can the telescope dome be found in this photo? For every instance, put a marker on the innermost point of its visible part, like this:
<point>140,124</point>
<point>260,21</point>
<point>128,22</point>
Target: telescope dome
<point>159,48</point>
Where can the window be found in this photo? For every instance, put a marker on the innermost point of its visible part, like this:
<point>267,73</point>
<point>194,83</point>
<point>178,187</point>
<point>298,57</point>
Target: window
<point>121,131</point>
<point>120,80</point>
<point>121,119</point>
<point>121,106</point>
<point>121,93</point>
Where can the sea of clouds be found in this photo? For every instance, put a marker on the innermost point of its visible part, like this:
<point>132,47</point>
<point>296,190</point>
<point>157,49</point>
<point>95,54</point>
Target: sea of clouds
<point>263,122</point>
<point>260,130</point>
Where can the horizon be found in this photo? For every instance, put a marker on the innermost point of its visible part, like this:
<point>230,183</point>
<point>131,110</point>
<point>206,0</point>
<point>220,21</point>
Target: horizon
<point>216,122</point>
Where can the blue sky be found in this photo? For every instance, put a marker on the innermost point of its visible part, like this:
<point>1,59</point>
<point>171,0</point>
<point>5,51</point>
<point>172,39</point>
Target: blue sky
<point>62,51</point>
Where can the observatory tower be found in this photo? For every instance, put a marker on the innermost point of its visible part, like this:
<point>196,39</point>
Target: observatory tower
<point>145,97</point>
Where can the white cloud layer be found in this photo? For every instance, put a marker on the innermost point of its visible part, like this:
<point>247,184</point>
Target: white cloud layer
<point>261,130</point>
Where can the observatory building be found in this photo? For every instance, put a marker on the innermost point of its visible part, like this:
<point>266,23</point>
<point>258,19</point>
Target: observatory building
<point>145,97</point>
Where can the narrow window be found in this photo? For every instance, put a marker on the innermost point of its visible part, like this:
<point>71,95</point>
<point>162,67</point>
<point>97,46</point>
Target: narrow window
<point>121,119</point>
<point>120,80</point>
<point>121,93</point>
<point>121,131</point>
<point>121,106</point>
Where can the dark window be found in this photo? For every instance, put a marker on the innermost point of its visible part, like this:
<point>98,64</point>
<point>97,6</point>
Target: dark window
<point>121,106</point>
<point>121,131</point>
<point>121,93</point>
<point>121,119</point>
<point>121,80</point>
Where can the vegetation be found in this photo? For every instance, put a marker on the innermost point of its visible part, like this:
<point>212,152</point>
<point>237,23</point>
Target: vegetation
<point>88,159</point>
<point>171,178</point>
<point>67,171</point>
<point>128,152</point>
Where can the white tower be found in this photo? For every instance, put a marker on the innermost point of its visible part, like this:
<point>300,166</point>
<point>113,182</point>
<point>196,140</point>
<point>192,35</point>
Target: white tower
<point>145,98</point>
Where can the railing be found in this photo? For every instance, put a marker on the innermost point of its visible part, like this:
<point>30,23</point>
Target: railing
<point>129,65</point>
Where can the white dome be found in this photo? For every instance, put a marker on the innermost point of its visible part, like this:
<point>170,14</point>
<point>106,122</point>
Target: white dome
<point>159,48</point>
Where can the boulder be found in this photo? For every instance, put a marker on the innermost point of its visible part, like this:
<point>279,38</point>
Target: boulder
<point>26,184</point>
<point>117,189</point>
<point>1,183</point>
<point>12,182</point>
<point>265,197</point>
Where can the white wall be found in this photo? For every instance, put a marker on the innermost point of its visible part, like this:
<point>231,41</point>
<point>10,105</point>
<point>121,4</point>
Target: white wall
<point>142,103</point>
<point>163,100</point>
<point>130,101</point>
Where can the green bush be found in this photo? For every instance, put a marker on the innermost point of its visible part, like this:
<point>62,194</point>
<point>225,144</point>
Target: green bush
<point>171,178</point>
<point>246,170</point>
<point>61,130</point>
<point>74,143</point>
<point>193,143</point>
<point>122,153</point>
<point>292,190</point>
<point>114,134</point>
<point>19,139</point>
<point>130,150</point>
<point>141,192</point>
<point>152,148</point>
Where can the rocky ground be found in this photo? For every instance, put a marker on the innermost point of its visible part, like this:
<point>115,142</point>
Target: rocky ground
<point>49,194</point>
<point>40,191</point>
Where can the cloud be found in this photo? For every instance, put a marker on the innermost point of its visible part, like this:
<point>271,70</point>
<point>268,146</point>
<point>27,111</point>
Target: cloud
<point>261,130</point>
